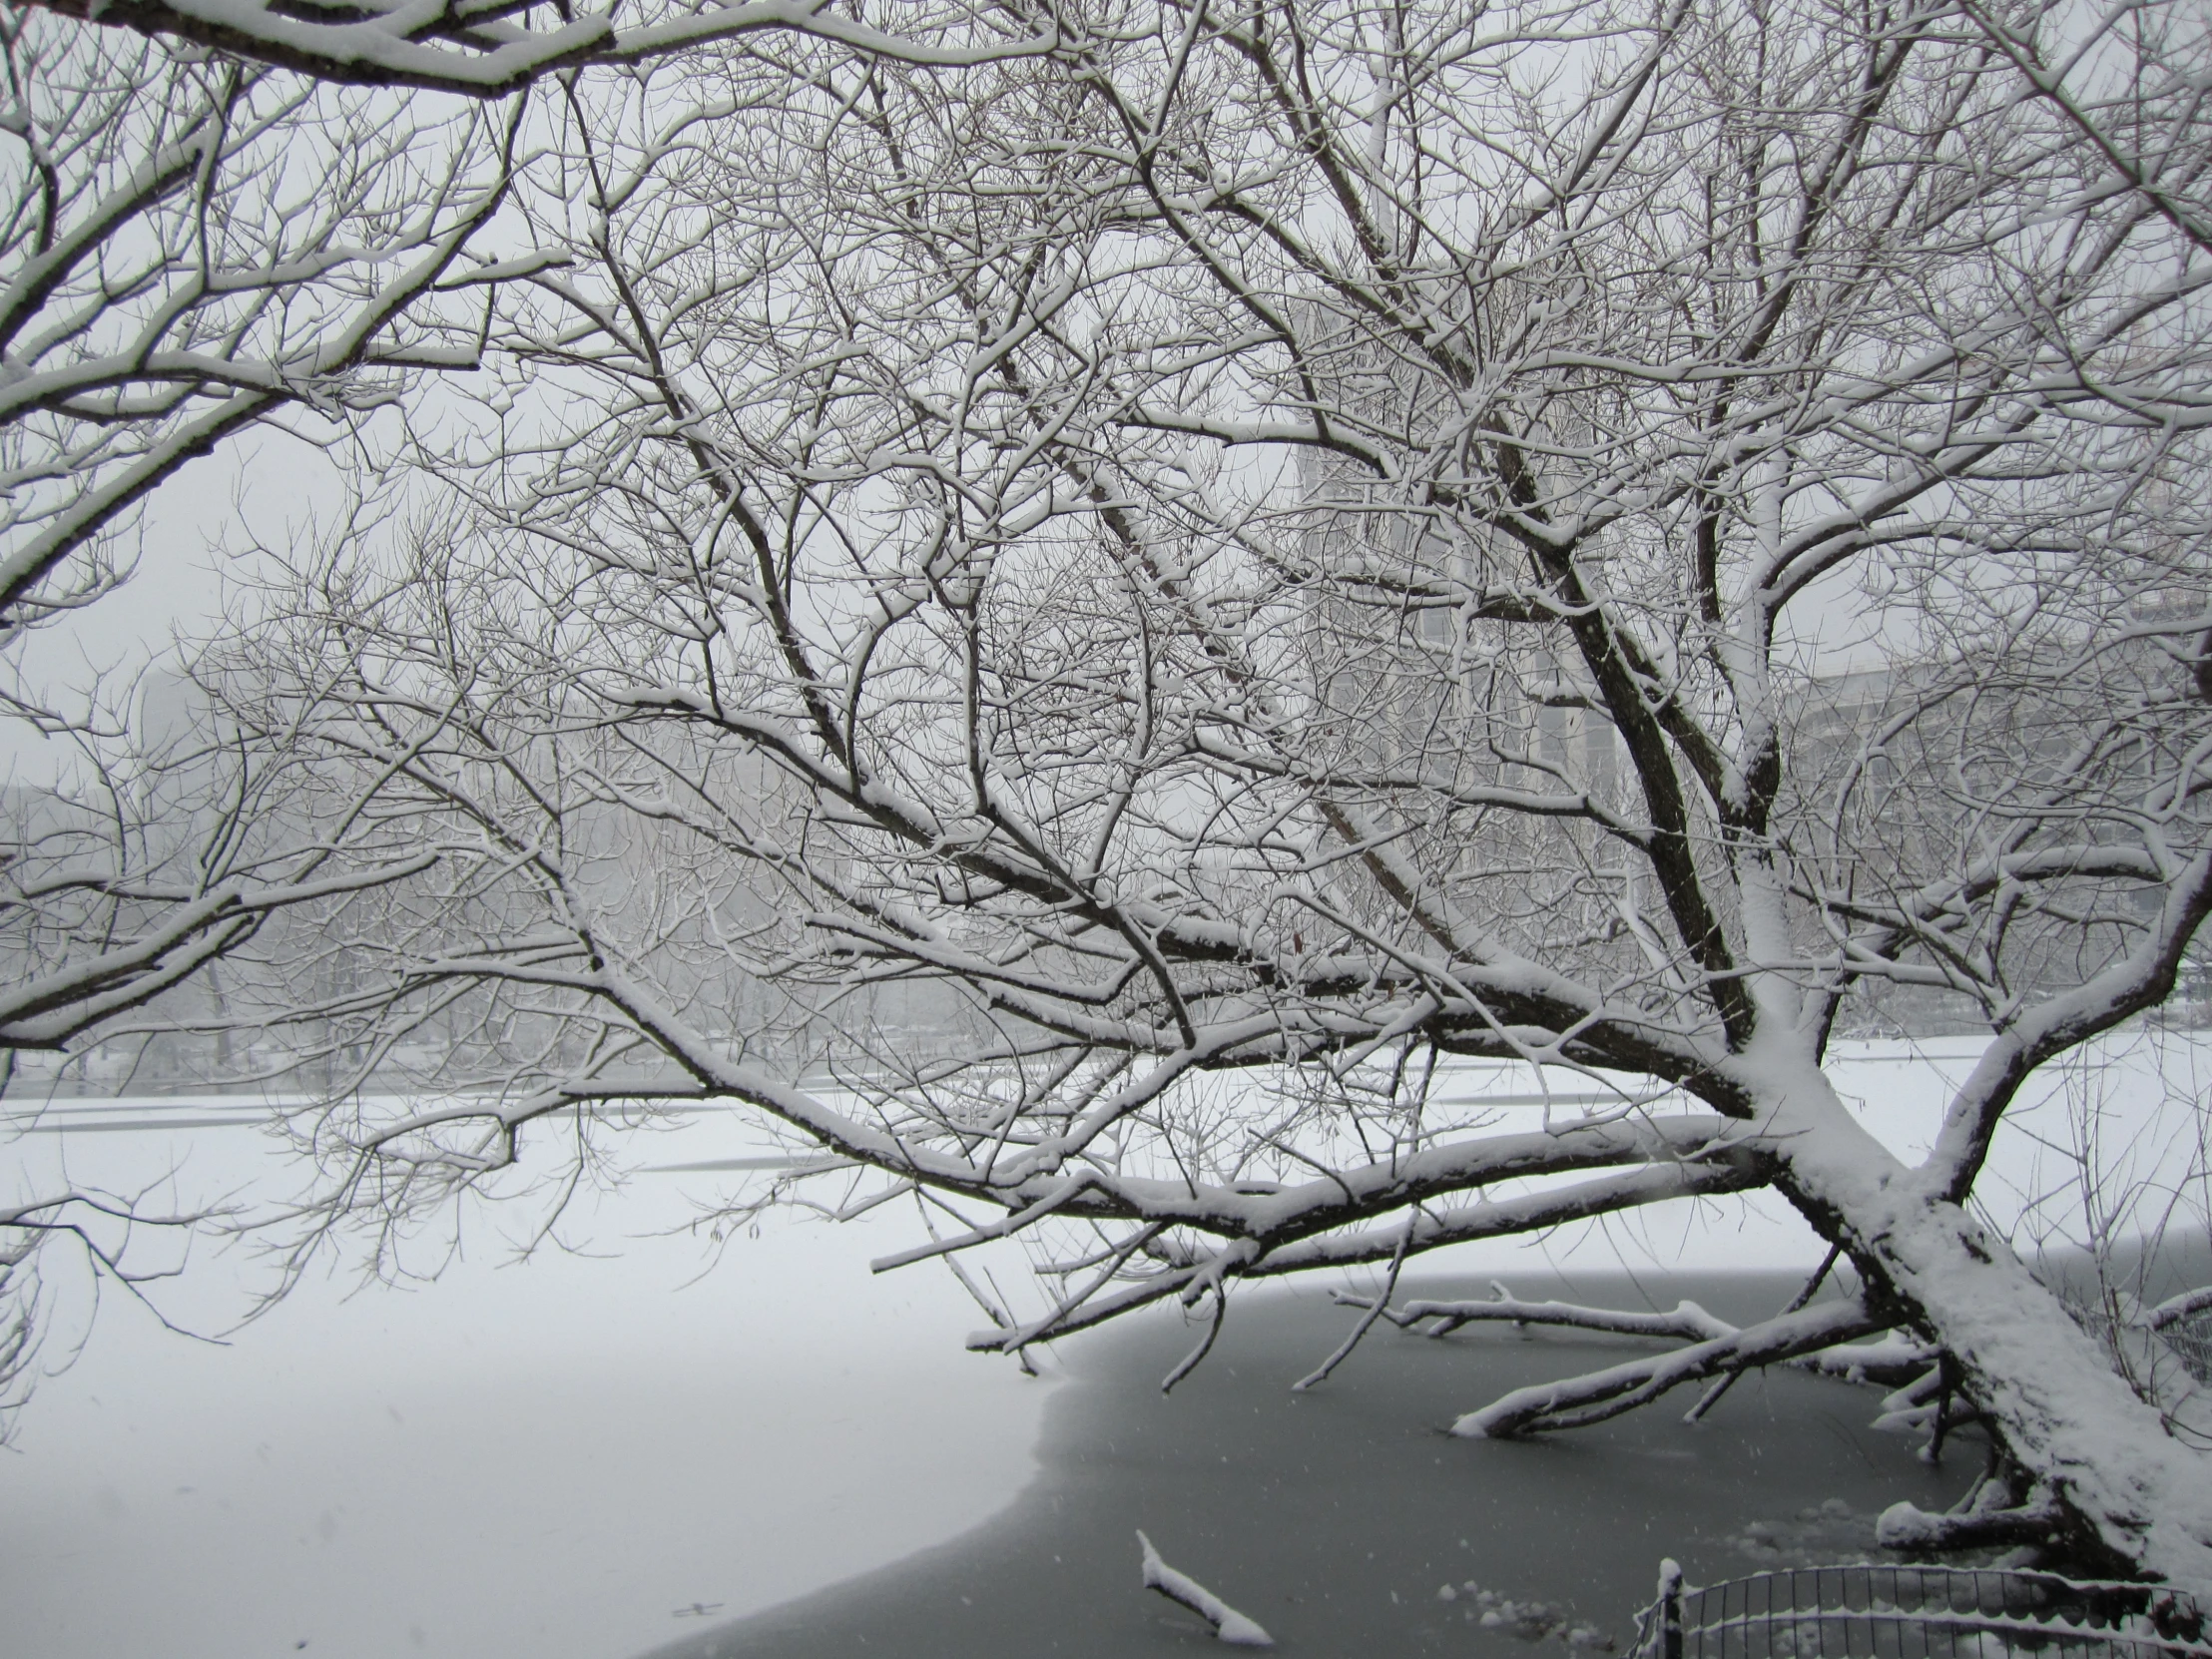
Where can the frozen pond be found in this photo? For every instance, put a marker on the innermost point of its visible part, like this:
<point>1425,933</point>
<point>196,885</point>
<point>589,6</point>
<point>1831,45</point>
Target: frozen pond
<point>584,1457</point>
<point>1336,1517</point>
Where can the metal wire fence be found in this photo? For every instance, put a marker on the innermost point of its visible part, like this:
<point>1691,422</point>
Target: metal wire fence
<point>1910,1612</point>
<point>2191,1339</point>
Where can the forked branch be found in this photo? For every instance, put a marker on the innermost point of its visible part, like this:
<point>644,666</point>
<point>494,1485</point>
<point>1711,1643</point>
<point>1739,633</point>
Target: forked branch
<point>1580,1400</point>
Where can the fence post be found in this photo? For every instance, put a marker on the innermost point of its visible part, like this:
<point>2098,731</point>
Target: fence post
<point>1670,1609</point>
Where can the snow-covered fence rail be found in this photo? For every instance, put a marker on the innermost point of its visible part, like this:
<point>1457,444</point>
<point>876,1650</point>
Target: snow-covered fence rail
<point>1913,1613</point>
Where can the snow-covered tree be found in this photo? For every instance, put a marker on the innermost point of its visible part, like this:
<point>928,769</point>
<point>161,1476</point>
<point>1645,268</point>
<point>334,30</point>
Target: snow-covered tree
<point>214,219</point>
<point>191,246</point>
<point>490,47</point>
<point>210,226</point>
<point>1278,544</point>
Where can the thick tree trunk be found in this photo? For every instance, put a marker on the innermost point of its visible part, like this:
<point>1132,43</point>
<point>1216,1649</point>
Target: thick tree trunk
<point>2135,1500</point>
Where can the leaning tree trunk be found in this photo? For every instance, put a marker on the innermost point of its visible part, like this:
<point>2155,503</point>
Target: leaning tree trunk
<point>2131,1498</point>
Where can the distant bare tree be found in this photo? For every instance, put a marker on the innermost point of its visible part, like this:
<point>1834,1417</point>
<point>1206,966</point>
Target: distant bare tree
<point>1298,543</point>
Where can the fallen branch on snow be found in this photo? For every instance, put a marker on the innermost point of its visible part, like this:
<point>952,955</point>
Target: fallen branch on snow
<point>1186,1591</point>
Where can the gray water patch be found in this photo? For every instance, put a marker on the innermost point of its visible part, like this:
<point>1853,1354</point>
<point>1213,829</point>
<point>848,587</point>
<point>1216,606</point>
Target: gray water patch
<point>1338,1518</point>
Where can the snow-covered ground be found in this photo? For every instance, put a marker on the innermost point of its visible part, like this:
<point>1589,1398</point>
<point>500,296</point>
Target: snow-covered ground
<point>570,1458</point>
<point>553,1460</point>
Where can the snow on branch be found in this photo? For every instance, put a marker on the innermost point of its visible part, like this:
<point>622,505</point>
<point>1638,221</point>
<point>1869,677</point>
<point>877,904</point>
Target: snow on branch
<point>115,383</point>
<point>1686,1319</point>
<point>476,48</point>
<point>1892,1360</point>
<point>1516,1213</point>
<point>2157,179</point>
<point>1577,1401</point>
<point>1185,1591</point>
<point>41,1011</point>
<point>1979,1525</point>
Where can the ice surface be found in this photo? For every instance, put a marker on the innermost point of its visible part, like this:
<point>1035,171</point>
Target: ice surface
<point>1332,1516</point>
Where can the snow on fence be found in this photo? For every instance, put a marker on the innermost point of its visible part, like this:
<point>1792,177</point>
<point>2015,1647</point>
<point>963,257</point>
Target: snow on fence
<point>2184,1325</point>
<point>1913,1613</point>
<point>2191,1339</point>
